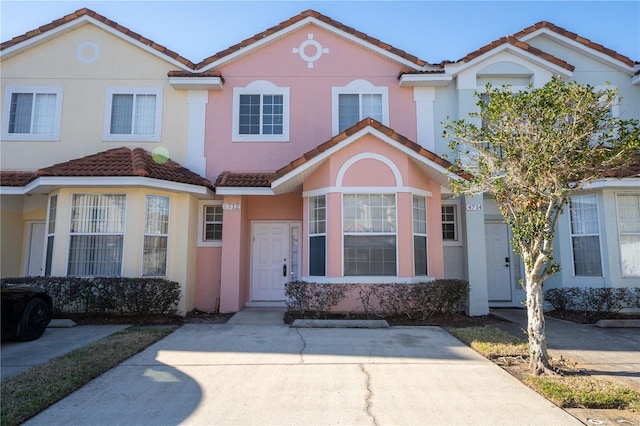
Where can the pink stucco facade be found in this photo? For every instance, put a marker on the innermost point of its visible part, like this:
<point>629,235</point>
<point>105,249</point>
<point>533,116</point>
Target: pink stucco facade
<point>261,222</point>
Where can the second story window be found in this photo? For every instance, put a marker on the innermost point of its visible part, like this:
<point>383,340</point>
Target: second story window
<point>133,114</point>
<point>260,113</point>
<point>32,113</point>
<point>356,101</point>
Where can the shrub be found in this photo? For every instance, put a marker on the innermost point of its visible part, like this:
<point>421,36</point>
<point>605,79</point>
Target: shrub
<point>140,296</point>
<point>415,301</point>
<point>592,299</point>
<point>313,298</point>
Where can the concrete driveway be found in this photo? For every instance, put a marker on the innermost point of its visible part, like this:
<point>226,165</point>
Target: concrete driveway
<point>250,372</point>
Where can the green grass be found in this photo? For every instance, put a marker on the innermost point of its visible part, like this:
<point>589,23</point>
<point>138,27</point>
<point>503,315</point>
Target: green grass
<point>584,391</point>
<point>565,391</point>
<point>33,390</point>
<point>491,342</point>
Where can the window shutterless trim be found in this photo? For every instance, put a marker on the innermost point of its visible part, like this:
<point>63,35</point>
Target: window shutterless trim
<point>54,135</point>
<point>107,136</point>
<point>262,88</point>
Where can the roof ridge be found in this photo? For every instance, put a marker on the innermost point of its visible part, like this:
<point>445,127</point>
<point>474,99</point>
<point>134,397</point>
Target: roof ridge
<point>102,19</point>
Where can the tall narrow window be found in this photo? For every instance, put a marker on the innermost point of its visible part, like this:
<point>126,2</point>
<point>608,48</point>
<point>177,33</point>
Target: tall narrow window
<point>32,113</point>
<point>96,235</point>
<point>369,232</point>
<point>156,235</point>
<point>629,229</point>
<point>212,223</point>
<point>449,222</point>
<point>585,236</point>
<point>420,235</point>
<point>317,236</point>
<point>51,230</point>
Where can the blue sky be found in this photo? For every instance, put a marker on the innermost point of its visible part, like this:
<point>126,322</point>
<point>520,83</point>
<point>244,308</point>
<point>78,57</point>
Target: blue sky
<point>432,30</point>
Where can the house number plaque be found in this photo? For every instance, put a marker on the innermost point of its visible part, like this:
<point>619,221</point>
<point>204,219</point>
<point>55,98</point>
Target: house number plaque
<point>230,206</point>
<point>475,207</point>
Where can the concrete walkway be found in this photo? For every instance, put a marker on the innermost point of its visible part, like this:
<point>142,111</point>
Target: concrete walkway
<point>257,370</point>
<point>19,356</point>
<point>612,353</point>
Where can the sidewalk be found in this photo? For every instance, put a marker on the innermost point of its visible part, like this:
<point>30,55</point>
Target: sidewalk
<point>257,370</point>
<point>612,353</point>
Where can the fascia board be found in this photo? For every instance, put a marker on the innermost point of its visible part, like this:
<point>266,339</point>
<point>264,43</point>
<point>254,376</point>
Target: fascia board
<point>579,46</point>
<point>614,183</point>
<point>196,83</point>
<point>428,80</point>
<point>133,181</point>
<point>243,191</point>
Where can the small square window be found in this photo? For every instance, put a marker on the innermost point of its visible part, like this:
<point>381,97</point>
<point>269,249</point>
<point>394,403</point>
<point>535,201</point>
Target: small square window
<point>212,223</point>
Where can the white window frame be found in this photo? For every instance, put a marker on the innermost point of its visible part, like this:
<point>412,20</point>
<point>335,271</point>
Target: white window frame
<point>415,233</point>
<point>346,233</point>
<point>457,221</point>
<point>317,234</point>
<point>122,233</point>
<point>591,234</point>
<point>620,233</point>
<point>260,87</point>
<point>107,136</point>
<point>35,90</point>
<point>202,204</point>
<point>164,235</point>
<point>358,87</point>
<point>52,212</point>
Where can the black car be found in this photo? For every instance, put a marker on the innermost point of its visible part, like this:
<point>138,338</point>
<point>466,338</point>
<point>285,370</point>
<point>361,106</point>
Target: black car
<point>26,311</point>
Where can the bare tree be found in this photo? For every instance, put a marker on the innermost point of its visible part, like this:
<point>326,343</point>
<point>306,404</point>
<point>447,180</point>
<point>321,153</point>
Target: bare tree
<point>532,150</point>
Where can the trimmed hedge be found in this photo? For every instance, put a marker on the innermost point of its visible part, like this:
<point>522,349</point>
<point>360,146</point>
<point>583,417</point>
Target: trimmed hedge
<point>140,296</point>
<point>593,299</point>
<point>415,301</point>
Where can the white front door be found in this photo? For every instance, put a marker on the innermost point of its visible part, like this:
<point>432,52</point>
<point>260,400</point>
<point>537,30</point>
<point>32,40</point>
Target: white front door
<point>498,262</point>
<point>35,254</point>
<point>270,260</point>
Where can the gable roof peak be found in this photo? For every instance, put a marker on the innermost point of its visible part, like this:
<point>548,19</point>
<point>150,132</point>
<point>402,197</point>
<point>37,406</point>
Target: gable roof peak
<point>49,30</point>
<point>526,33</point>
<point>284,26</point>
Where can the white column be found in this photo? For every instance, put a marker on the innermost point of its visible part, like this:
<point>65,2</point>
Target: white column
<point>425,118</point>
<point>476,255</point>
<point>197,101</point>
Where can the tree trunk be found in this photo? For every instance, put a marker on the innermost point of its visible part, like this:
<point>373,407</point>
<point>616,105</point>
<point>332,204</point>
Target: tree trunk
<point>538,357</point>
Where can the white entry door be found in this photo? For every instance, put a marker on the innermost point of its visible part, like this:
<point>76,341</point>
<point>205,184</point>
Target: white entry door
<point>270,260</point>
<point>498,262</point>
<point>35,255</point>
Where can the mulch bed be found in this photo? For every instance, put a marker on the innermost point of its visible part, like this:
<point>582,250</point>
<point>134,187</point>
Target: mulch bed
<point>582,317</point>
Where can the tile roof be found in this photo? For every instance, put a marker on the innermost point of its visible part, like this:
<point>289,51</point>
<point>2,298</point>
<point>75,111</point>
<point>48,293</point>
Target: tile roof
<point>521,45</point>
<point>244,180</point>
<point>575,37</point>
<point>117,162</point>
<point>325,19</point>
<point>90,13</point>
<point>10,178</point>
<point>263,180</point>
